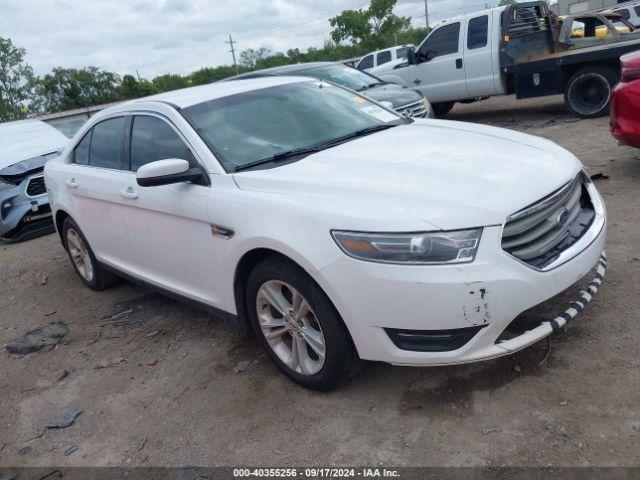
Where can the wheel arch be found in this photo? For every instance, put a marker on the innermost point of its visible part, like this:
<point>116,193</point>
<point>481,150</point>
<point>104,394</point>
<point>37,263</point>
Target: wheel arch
<point>248,261</point>
<point>61,216</point>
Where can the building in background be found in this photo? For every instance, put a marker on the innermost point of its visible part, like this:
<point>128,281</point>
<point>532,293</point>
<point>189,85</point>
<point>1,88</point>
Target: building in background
<point>70,121</point>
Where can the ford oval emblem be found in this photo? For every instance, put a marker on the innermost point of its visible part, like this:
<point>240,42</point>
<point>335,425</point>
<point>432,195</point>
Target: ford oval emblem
<point>562,217</point>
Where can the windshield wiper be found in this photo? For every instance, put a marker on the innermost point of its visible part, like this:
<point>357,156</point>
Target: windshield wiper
<point>296,152</point>
<point>367,87</point>
<point>281,156</point>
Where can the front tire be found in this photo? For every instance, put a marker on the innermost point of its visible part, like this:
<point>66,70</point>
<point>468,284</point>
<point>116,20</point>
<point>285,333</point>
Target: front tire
<point>92,274</point>
<point>588,91</point>
<point>298,327</point>
<point>441,109</point>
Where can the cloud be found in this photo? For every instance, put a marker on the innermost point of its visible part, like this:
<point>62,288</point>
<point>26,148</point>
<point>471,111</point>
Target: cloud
<point>176,36</point>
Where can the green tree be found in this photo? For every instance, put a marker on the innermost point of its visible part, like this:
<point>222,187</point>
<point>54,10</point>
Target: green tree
<point>250,57</point>
<point>351,25</point>
<point>169,81</point>
<point>134,88</point>
<point>16,81</point>
<point>370,28</point>
<point>69,88</point>
<point>504,3</point>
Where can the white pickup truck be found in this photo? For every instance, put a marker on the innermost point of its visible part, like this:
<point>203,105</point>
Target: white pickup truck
<point>522,49</point>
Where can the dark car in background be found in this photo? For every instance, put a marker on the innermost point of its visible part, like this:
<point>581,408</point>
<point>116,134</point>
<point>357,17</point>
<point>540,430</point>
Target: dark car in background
<point>625,102</point>
<point>404,100</point>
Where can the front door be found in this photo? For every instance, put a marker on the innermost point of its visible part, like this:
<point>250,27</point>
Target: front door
<point>439,71</point>
<point>169,225</point>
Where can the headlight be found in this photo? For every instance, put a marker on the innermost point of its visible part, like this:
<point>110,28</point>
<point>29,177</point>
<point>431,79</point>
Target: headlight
<point>428,113</point>
<point>459,246</point>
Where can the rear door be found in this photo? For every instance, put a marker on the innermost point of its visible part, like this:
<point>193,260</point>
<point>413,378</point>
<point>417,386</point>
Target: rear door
<point>439,71</point>
<point>96,179</point>
<point>478,56</point>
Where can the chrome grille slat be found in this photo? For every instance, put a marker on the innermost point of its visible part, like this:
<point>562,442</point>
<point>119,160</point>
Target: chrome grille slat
<point>540,232</point>
<point>415,109</point>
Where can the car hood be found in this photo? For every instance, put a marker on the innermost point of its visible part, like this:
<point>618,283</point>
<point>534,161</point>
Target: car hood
<point>448,174</point>
<point>390,92</point>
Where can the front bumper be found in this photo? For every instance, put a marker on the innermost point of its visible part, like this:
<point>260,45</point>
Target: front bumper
<point>489,292</point>
<point>23,216</point>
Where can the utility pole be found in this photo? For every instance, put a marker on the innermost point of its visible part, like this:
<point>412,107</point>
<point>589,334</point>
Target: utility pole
<point>426,14</point>
<point>233,52</point>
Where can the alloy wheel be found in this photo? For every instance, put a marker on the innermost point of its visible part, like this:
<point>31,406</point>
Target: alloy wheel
<point>291,327</point>
<point>79,254</point>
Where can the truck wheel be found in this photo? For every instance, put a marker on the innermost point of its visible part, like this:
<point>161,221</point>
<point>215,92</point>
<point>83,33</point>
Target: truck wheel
<point>441,109</point>
<point>588,91</point>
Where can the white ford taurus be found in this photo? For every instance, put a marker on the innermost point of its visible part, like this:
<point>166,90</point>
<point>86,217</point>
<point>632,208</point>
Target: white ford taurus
<point>337,229</point>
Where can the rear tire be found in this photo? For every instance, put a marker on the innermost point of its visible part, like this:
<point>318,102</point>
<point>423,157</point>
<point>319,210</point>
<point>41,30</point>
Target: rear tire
<point>588,91</point>
<point>441,109</point>
<point>324,357</point>
<point>90,271</point>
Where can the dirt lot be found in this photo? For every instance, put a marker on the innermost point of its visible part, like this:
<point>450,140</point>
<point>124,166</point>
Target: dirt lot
<point>581,407</point>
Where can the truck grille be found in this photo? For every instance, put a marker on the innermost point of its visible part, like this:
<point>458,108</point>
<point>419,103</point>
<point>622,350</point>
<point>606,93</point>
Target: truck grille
<point>538,234</point>
<point>36,186</point>
<point>415,109</point>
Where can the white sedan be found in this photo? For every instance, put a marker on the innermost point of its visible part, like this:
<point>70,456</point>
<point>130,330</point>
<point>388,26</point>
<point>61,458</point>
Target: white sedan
<point>338,230</point>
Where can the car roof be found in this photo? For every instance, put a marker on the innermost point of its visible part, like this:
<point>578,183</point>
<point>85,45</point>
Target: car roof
<point>187,97</point>
<point>282,70</point>
<point>408,45</point>
<point>26,139</point>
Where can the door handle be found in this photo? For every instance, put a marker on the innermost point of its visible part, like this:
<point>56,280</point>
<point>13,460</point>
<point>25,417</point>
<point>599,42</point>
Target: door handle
<point>129,194</point>
<point>458,63</point>
<point>72,183</point>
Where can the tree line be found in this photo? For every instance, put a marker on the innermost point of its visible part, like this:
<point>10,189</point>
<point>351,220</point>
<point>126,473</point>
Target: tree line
<point>22,93</point>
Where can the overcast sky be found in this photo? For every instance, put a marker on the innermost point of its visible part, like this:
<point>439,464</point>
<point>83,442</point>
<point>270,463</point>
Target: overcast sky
<point>176,36</point>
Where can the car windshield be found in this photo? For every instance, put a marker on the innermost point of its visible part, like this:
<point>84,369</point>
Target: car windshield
<point>345,76</point>
<point>249,127</point>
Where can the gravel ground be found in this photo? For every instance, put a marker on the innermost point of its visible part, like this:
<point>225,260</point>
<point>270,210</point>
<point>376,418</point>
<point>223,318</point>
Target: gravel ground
<point>580,407</point>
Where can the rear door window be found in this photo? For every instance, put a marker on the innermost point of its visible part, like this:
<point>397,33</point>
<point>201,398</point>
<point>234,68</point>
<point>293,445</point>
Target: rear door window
<point>383,57</point>
<point>106,144</point>
<point>478,32</point>
<point>154,139</point>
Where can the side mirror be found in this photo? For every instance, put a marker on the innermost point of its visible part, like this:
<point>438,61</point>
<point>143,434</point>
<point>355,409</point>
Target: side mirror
<point>411,56</point>
<point>166,172</point>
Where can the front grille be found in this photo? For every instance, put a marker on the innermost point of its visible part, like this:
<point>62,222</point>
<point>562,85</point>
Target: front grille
<point>538,234</point>
<point>416,109</point>
<point>36,186</point>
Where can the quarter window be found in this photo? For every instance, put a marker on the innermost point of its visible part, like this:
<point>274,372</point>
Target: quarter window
<point>106,143</point>
<point>383,57</point>
<point>153,139</point>
<point>443,41</point>
<point>477,34</point>
<point>366,62</point>
<point>81,152</point>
